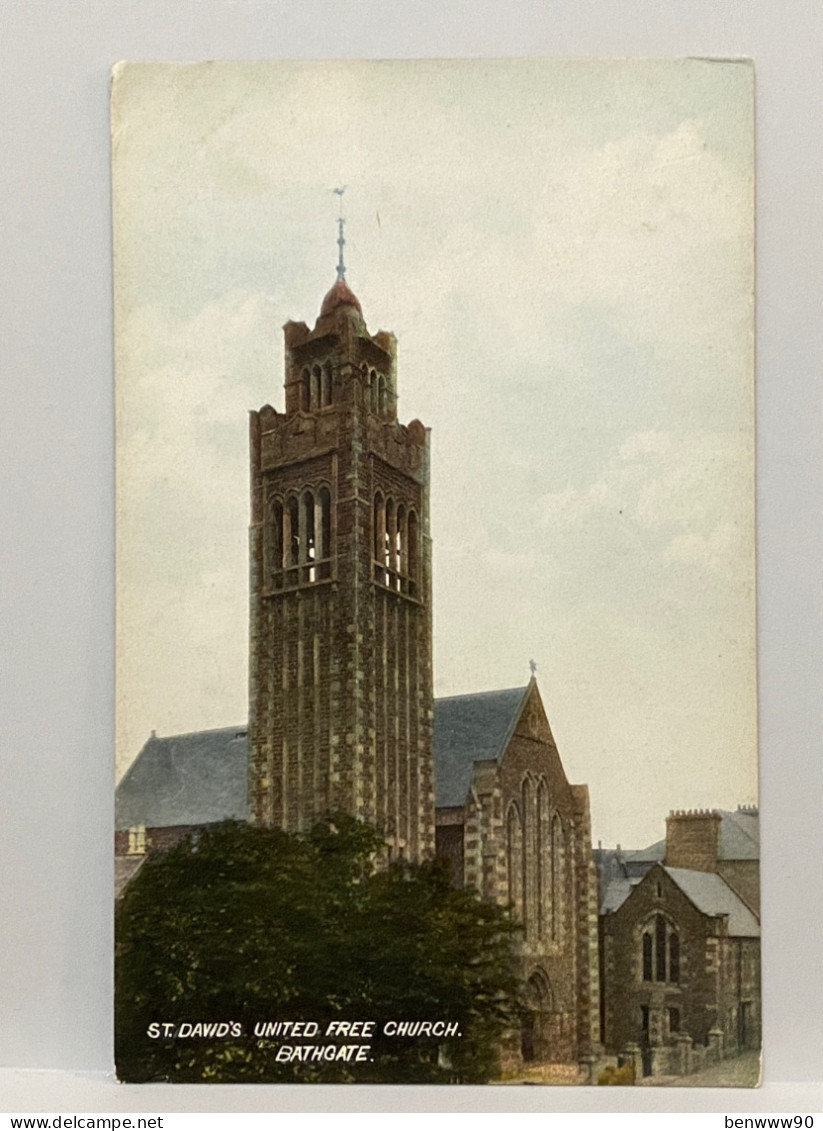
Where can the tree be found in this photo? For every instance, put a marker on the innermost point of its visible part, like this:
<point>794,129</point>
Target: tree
<point>238,926</point>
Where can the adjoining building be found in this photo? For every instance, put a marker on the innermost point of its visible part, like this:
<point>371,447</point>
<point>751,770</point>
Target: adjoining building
<point>680,944</point>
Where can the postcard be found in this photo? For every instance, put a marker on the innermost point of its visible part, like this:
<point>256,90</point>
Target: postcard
<point>436,716</point>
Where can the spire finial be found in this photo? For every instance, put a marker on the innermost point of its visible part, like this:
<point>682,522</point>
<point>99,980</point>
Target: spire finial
<point>532,666</point>
<point>341,242</point>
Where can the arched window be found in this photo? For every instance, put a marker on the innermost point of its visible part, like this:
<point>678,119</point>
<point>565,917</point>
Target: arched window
<point>273,546</point>
<point>674,956</point>
<point>323,533</point>
<point>315,387</point>
<point>400,547</point>
<point>305,390</point>
<point>660,951</point>
<point>514,842</point>
<point>307,543</point>
<point>381,394</point>
<point>540,852</point>
<point>297,546</point>
<point>528,856</point>
<point>389,546</point>
<point>558,879</point>
<point>291,539</point>
<point>373,396</point>
<point>379,538</point>
<point>412,553</point>
<point>326,386</point>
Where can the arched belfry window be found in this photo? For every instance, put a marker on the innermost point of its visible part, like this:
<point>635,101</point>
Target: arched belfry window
<point>315,387</point>
<point>297,546</point>
<point>307,542</point>
<point>412,554</point>
<point>660,951</point>
<point>381,394</point>
<point>273,545</point>
<point>292,539</point>
<point>305,391</point>
<point>326,386</point>
<point>379,538</point>
<point>396,554</point>
<point>400,548</point>
<point>389,543</point>
<point>323,532</point>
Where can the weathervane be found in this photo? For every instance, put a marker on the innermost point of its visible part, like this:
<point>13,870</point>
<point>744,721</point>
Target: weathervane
<point>341,242</point>
<point>532,666</point>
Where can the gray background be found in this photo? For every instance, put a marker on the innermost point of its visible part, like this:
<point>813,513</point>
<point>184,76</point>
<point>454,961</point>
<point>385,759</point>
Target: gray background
<point>56,502</point>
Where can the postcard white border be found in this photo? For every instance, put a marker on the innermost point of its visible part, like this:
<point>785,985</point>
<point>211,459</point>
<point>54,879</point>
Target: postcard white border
<point>57,504</point>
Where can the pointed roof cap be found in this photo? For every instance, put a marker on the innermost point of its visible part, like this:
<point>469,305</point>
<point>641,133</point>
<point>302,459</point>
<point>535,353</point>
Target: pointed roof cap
<point>340,295</point>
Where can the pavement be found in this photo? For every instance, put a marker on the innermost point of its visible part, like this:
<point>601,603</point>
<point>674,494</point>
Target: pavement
<point>738,1072</point>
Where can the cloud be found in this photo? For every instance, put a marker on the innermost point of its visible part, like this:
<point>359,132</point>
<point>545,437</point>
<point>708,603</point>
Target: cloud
<point>691,498</point>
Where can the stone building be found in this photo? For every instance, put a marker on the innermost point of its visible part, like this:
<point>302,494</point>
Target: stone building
<point>680,944</point>
<point>340,668</point>
<point>513,827</point>
<point>341,713</point>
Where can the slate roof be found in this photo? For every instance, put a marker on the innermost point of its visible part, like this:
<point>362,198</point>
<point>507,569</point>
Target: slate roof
<point>186,779</point>
<point>469,729</point>
<point>712,895</point>
<point>739,835</point>
<point>194,779</point>
<point>615,894</point>
<point>707,891</point>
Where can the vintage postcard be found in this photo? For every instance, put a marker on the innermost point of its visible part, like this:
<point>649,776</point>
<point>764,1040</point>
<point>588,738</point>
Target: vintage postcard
<point>436,720</point>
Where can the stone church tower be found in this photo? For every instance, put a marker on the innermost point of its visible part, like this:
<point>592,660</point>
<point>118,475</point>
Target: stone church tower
<point>340,710</point>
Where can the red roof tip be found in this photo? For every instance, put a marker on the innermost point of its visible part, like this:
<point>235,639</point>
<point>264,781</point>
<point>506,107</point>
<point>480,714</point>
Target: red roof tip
<point>340,295</point>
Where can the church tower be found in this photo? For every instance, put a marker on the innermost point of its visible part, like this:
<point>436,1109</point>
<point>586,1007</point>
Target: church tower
<point>340,676</point>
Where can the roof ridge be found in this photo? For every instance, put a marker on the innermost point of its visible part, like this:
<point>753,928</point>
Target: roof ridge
<point>477,694</point>
<point>240,731</point>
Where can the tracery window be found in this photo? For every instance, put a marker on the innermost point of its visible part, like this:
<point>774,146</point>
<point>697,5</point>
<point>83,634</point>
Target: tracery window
<point>660,951</point>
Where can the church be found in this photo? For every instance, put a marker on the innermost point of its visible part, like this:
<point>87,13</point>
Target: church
<point>341,709</point>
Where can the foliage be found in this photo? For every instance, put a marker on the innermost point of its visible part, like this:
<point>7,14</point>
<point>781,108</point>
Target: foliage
<point>247,925</point>
<point>614,1075</point>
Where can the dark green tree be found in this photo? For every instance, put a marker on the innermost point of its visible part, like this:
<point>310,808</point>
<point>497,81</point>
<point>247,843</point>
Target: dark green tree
<point>245,925</point>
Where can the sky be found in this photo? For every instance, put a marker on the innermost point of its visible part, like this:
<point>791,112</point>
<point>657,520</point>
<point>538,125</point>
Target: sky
<point>564,251</point>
